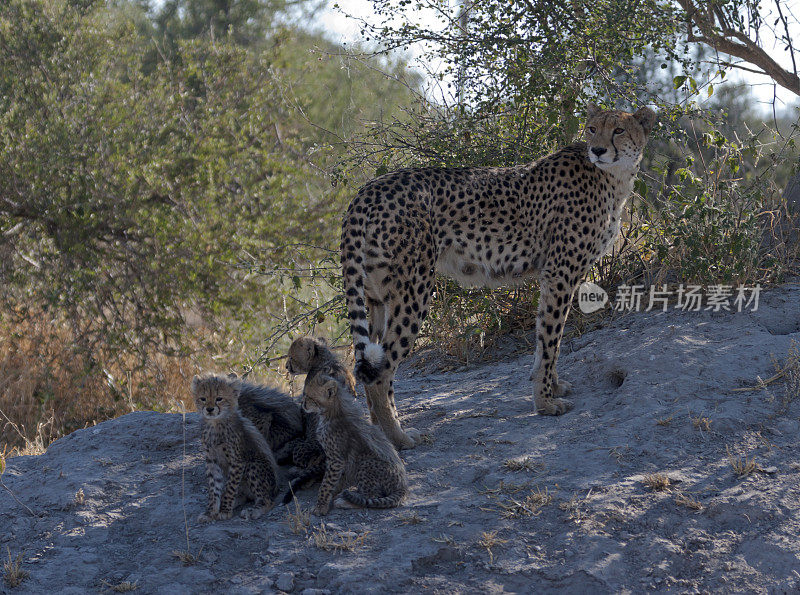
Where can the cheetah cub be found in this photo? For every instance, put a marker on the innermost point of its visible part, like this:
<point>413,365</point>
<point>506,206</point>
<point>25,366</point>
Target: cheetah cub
<point>274,413</point>
<point>312,356</point>
<point>239,462</point>
<point>357,452</point>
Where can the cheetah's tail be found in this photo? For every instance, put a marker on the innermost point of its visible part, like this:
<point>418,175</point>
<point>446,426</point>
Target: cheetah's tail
<point>361,500</point>
<point>370,357</point>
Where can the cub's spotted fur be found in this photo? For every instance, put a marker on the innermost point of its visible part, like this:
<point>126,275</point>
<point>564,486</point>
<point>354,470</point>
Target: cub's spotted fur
<point>357,452</point>
<point>549,220</point>
<point>239,462</point>
<point>274,413</point>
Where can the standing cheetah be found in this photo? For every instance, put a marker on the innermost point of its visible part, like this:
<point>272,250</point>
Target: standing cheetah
<point>551,220</point>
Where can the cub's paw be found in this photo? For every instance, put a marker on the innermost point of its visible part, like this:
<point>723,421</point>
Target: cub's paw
<point>340,502</point>
<point>255,512</point>
<point>553,406</point>
<point>562,388</point>
<point>224,516</point>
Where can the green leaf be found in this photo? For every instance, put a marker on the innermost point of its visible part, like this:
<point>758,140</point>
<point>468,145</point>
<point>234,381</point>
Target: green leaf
<point>679,80</point>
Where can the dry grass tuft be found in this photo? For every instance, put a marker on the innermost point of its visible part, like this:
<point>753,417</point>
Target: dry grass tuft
<point>446,539</point>
<point>701,423</point>
<point>742,466</point>
<point>524,464</point>
<point>529,506</point>
<point>664,421</point>
<point>490,540</point>
<point>411,518</point>
<point>341,541</point>
<point>80,498</point>
<point>13,574</point>
<point>575,507</point>
<point>186,557</point>
<point>657,482</point>
<point>300,520</point>
<point>688,501</point>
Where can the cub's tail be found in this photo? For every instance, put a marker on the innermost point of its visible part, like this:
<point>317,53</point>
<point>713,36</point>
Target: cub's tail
<point>384,502</point>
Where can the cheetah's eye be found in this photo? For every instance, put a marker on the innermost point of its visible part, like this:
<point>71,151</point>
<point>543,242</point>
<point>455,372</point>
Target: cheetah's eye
<point>592,129</point>
<point>219,399</point>
<point>619,130</point>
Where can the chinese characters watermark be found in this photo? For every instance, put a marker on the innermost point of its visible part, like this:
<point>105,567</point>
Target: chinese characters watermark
<point>689,298</point>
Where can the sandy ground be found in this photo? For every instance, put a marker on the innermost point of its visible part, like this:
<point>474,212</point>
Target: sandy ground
<point>502,500</point>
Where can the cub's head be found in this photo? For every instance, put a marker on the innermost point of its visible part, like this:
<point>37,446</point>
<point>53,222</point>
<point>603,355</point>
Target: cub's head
<point>303,352</point>
<point>215,395</point>
<point>321,394</point>
<point>616,139</point>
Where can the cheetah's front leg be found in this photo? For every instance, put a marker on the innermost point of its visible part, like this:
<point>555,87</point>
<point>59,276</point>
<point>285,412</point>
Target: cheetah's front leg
<point>228,500</point>
<point>554,304</point>
<point>334,469</point>
<point>216,481</point>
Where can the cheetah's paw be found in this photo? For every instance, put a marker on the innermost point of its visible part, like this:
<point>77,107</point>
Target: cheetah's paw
<point>562,388</point>
<point>553,406</point>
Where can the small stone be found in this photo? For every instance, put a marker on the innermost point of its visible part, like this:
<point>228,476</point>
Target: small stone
<point>285,582</point>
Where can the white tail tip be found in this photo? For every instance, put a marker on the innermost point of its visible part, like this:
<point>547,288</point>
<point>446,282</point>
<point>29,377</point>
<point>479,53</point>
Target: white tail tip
<point>373,353</point>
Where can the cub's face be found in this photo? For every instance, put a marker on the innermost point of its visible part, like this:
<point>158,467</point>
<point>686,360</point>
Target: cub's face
<point>617,139</point>
<point>215,397</point>
<point>319,394</point>
<point>302,353</point>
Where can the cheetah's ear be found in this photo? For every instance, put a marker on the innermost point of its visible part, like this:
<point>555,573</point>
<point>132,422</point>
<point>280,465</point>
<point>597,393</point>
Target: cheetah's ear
<point>329,386</point>
<point>646,117</point>
<point>195,383</point>
<point>592,110</point>
<point>233,375</point>
<point>322,341</point>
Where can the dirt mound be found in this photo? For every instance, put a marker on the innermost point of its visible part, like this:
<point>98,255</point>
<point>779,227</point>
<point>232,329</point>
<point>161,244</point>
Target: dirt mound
<point>663,477</point>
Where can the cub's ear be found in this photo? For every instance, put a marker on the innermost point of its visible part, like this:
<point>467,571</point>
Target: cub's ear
<point>329,386</point>
<point>647,118</point>
<point>233,375</point>
<point>592,110</point>
<point>322,341</point>
<point>195,383</point>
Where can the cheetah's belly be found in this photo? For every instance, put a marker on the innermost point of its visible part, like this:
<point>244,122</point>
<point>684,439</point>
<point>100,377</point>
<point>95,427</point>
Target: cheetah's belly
<point>470,270</point>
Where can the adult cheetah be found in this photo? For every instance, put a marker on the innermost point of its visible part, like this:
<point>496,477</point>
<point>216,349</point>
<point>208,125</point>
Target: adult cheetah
<point>551,219</point>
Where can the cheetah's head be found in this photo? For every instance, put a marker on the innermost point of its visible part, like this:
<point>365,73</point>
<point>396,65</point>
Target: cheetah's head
<point>216,396</point>
<point>615,140</point>
<point>321,394</point>
<point>302,353</point>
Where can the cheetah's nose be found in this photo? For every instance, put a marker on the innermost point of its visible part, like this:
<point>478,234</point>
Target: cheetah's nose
<point>599,150</point>
<point>210,409</point>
